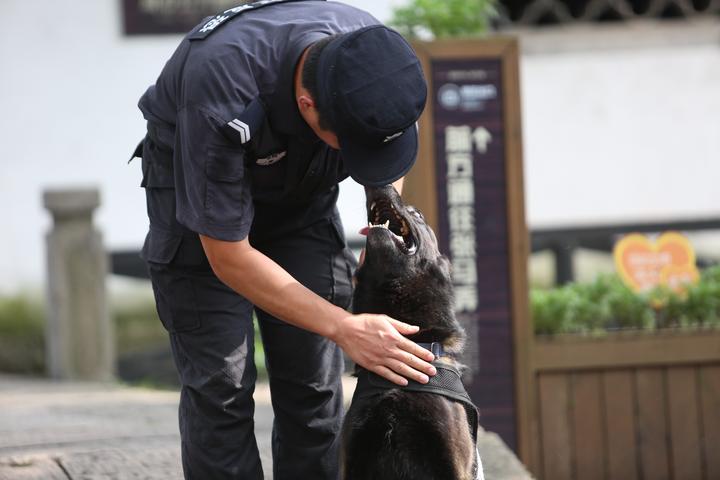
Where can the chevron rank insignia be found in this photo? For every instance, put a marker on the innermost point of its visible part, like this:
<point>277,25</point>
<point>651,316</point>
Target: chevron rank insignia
<point>241,128</point>
<point>246,124</point>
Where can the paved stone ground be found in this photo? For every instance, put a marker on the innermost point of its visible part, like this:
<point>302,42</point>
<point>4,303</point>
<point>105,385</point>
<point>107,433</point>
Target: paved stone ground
<point>90,431</point>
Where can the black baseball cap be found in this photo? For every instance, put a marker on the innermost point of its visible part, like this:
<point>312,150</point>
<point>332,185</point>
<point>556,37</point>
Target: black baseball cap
<point>371,84</point>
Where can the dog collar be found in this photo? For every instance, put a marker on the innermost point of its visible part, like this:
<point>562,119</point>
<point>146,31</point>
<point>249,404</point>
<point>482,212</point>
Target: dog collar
<point>435,347</point>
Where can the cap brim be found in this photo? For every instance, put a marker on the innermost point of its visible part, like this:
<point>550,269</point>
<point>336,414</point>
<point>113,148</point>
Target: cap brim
<point>378,166</point>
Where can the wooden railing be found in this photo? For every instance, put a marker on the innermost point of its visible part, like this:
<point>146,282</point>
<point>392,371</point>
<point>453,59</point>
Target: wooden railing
<point>627,406</point>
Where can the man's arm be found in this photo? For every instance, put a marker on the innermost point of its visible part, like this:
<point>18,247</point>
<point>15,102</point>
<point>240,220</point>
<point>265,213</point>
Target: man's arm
<point>375,342</point>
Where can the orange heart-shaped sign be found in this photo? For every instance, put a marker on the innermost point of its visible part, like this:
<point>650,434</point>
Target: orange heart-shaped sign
<point>644,264</point>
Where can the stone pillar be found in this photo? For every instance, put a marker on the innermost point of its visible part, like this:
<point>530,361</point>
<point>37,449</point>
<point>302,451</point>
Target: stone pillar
<point>79,341</point>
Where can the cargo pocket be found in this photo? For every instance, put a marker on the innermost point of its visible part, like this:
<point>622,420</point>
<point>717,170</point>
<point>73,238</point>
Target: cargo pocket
<point>157,166</point>
<point>172,286</point>
<point>226,194</point>
<point>175,299</point>
<point>160,246</point>
<point>342,267</point>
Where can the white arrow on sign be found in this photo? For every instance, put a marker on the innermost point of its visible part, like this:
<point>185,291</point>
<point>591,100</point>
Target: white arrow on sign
<point>482,137</point>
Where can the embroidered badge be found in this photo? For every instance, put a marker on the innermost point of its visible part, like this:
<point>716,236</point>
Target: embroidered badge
<point>269,160</point>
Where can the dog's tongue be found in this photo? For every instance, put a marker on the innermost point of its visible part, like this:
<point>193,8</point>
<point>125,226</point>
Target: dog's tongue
<point>364,231</point>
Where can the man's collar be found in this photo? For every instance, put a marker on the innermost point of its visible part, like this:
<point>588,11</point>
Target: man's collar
<point>282,108</point>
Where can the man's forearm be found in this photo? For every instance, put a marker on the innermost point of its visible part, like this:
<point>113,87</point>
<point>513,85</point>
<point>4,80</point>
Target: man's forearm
<point>267,285</point>
<point>375,342</point>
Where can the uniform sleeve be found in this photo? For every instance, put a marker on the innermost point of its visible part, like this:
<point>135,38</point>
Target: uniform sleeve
<point>212,191</point>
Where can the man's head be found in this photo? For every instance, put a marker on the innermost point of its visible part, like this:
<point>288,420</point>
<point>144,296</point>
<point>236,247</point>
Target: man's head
<point>362,92</point>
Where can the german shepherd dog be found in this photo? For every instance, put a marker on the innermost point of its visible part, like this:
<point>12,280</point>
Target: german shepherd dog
<point>415,432</point>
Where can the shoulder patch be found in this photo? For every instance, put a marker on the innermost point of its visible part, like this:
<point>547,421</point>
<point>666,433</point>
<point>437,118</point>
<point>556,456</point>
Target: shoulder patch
<point>221,18</point>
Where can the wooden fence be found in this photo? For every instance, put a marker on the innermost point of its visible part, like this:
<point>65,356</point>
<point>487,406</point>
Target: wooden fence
<point>624,407</point>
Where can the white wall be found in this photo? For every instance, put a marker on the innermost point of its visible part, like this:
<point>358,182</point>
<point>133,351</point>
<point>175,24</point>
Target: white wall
<point>622,125</point>
<point>608,133</point>
<point>68,91</point>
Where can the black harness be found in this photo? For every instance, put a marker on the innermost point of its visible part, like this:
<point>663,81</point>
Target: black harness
<point>447,383</point>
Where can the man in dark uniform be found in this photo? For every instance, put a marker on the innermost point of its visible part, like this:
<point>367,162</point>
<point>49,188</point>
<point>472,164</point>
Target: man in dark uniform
<point>254,120</point>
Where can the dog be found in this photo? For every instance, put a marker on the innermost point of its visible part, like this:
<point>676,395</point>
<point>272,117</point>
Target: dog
<point>415,432</point>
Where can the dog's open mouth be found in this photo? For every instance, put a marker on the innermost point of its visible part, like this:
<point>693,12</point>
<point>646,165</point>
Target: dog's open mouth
<point>383,215</point>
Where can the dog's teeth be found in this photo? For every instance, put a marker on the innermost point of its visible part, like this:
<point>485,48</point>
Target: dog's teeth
<point>372,206</point>
<point>387,224</point>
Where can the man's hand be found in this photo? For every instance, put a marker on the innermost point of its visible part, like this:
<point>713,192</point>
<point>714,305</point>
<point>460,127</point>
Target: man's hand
<point>376,342</point>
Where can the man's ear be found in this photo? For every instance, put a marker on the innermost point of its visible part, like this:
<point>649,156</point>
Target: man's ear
<point>305,102</point>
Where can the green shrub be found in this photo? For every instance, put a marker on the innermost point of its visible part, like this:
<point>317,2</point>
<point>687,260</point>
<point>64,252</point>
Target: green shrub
<point>701,304</point>
<point>448,18</point>
<point>606,304</point>
<point>22,336</point>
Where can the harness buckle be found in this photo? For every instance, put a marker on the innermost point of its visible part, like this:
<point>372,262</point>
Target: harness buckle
<point>435,347</point>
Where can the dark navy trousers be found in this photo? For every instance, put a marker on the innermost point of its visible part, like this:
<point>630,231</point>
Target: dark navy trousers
<point>211,335</point>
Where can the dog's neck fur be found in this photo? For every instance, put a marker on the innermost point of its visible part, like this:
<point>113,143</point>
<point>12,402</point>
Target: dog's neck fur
<point>424,300</point>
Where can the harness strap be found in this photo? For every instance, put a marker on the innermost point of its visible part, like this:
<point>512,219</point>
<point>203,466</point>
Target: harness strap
<point>447,383</point>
